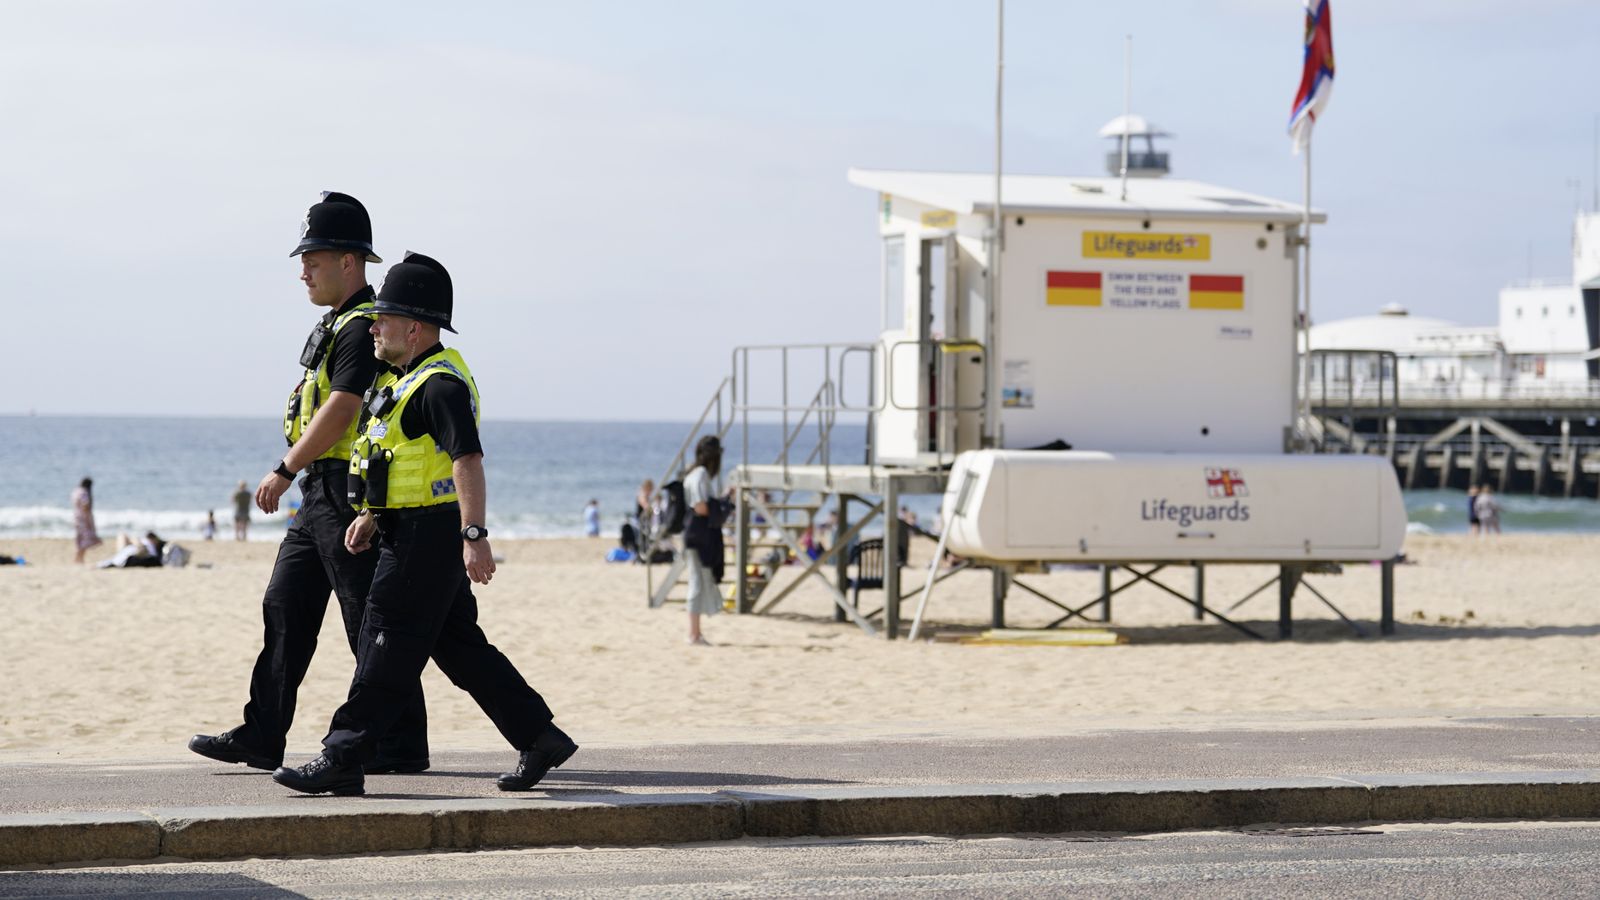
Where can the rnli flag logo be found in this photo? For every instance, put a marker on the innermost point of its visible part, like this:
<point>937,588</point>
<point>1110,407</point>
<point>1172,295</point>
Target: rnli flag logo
<point>1225,483</point>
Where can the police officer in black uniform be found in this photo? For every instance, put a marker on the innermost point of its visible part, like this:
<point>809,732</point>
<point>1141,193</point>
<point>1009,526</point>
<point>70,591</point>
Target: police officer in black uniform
<point>417,468</point>
<point>335,246</point>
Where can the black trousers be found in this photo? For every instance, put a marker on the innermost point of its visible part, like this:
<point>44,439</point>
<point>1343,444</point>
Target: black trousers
<point>312,562</point>
<point>421,606</point>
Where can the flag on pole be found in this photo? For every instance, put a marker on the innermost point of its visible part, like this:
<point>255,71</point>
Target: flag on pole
<point>1316,77</point>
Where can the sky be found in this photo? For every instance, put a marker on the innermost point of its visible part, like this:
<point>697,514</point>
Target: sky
<point>624,191</point>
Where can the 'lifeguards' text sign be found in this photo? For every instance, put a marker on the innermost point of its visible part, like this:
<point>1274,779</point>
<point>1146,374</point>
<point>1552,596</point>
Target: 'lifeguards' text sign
<point>1145,245</point>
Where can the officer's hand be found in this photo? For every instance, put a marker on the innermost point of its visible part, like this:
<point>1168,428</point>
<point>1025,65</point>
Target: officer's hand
<point>268,492</point>
<point>480,562</point>
<point>358,536</point>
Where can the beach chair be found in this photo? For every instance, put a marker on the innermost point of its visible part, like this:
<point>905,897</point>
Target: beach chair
<point>866,559</point>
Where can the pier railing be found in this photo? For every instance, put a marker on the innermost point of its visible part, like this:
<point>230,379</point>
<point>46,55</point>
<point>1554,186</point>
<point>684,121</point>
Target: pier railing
<point>1365,393</point>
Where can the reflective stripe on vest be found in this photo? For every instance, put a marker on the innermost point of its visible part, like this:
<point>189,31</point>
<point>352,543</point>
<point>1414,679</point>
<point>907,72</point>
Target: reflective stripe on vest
<point>419,473</point>
<point>314,388</point>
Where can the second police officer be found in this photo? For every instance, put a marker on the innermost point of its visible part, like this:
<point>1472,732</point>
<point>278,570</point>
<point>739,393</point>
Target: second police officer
<point>416,469</point>
<point>319,424</point>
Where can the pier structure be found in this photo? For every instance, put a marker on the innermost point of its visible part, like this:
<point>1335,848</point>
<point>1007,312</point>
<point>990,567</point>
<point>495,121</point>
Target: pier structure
<point>1517,438</point>
<point>1514,405</point>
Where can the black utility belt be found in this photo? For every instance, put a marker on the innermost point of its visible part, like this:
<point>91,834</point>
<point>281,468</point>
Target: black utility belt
<point>407,513</point>
<point>328,467</point>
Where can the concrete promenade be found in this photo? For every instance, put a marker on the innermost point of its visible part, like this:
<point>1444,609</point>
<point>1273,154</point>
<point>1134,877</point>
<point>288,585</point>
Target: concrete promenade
<point>1118,780</point>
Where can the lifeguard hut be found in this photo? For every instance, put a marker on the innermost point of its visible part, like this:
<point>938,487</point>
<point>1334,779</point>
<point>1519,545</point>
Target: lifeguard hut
<point>1107,376</point>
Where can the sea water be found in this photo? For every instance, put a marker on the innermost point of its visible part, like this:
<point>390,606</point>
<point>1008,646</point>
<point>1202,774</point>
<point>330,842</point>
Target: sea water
<point>163,474</point>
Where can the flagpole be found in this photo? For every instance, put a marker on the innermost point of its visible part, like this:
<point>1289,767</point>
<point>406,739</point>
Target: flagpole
<point>1305,293</point>
<point>992,425</point>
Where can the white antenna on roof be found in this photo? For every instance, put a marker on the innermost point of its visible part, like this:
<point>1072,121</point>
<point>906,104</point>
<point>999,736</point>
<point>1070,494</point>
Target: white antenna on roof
<point>1127,109</point>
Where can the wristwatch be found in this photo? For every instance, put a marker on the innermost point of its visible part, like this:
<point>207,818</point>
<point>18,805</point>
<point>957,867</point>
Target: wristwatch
<point>474,533</point>
<point>282,471</point>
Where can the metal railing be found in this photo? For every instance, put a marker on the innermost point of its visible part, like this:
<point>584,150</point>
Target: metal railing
<point>1367,393</point>
<point>1384,385</point>
<point>675,467</point>
<point>824,405</point>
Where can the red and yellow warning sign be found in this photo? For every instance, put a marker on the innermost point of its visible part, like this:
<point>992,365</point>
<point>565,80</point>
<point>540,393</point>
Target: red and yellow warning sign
<point>1072,288</point>
<point>1216,292</point>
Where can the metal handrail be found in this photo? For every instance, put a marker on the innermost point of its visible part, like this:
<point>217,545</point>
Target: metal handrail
<point>826,403</point>
<point>788,441</point>
<point>714,403</point>
<point>921,407</point>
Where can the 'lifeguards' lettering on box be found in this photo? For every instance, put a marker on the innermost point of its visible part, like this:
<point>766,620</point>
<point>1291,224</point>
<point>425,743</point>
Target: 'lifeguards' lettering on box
<point>1145,245</point>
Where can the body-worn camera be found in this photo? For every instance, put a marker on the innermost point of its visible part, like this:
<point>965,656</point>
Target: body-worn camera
<point>378,403</point>
<point>316,346</point>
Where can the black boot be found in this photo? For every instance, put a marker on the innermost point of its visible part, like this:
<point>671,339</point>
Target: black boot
<point>550,750</point>
<point>323,776</point>
<point>386,766</point>
<point>223,748</point>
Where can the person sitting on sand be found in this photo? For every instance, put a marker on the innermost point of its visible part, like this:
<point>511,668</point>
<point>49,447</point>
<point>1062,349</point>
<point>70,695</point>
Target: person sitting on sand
<point>132,554</point>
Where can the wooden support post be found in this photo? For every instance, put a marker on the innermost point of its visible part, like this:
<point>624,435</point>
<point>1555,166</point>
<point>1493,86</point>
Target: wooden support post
<point>1508,465</point>
<point>891,558</point>
<point>1413,466</point>
<point>1390,428</point>
<point>1199,592</point>
<point>1478,466</point>
<point>999,584</point>
<point>1541,470</point>
<point>1386,619</point>
<point>1570,455</point>
<point>744,602</point>
<point>1448,462</point>
<point>1288,580</point>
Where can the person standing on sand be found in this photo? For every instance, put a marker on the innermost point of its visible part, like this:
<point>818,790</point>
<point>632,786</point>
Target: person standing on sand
<point>420,482</point>
<point>241,512</point>
<point>1488,510</point>
<point>1472,510</point>
<point>702,536</point>
<point>591,519</point>
<point>319,424</point>
<point>84,534</point>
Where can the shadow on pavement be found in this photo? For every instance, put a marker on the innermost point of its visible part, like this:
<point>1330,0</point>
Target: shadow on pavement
<point>45,883</point>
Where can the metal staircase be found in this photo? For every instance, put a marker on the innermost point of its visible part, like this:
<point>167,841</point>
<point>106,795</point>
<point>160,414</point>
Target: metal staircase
<point>785,517</point>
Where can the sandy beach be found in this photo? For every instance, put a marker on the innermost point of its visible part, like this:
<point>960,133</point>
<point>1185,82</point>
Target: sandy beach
<point>129,663</point>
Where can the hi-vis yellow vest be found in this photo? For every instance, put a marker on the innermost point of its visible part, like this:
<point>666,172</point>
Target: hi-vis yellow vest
<point>314,389</point>
<point>419,473</point>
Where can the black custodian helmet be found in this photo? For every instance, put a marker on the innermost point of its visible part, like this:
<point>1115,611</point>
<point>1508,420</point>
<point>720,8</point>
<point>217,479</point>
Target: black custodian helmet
<point>417,287</point>
<point>337,222</point>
